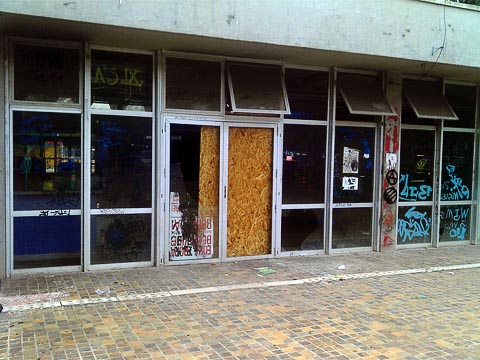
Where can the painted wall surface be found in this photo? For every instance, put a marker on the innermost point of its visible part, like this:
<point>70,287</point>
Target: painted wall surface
<point>409,29</point>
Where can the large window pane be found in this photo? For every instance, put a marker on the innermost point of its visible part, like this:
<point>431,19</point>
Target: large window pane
<point>457,166</point>
<point>193,195</point>
<point>304,164</point>
<point>455,222</point>
<point>417,164</point>
<point>302,229</point>
<point>46,241</point>
<point>414,225</point>
<point>193,84</point>
<point>351,227</point>
<point>121,81</point>
<point>354,164</point>
<point>307,94</point>
<point>121,162</point>
<point>46,74</point>
<point>46,161</point>
<point>120,238</point>
<point>463,100</point>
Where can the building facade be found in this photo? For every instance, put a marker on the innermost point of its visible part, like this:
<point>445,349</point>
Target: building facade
<point>141,133</point>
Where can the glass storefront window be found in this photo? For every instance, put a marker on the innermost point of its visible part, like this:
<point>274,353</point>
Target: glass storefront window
<point>457,166</point>
<point>414,225</point>
<point>307,94</point>
<point>455,223</point>
<point>120,238</point>
<point>193,195</point>
<point>417,163</point>
<point>121,168</point>
<point>304,149</point>
<point>354,164</point>
<point>193,84</point>
<point>302,229</point>
<point>46,161</point>
<point>121,81</point>
<point>351,227</point>
<point>462,99</point>
<point>46,74</point>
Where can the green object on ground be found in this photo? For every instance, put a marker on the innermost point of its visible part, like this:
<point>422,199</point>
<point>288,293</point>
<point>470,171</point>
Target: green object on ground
<point>265,270</point>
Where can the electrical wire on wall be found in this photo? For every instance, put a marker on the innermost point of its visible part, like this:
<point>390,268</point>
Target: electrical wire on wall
<point>438,49</point>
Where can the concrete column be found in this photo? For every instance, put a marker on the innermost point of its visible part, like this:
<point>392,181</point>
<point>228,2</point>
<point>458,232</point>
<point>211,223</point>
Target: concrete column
<point>390,165</point>
<point>3,252</point>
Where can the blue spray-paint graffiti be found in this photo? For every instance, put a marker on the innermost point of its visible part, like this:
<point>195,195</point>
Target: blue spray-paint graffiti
<point>454,189</point>
<point>453,223</point>
<point>413,192</point>
<point>414,224</point>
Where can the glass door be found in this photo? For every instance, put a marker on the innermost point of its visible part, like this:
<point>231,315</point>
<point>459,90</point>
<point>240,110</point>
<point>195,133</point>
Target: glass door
<point>249,190</point>
<point>193,157</point>
<point>416,186</point>
<point>353,186</point>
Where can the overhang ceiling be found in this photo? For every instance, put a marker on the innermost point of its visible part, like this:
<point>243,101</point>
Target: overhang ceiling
<point>48,28</point>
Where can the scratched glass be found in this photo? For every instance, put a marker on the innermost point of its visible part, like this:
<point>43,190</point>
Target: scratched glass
<point>307,94</point>
<point>457,166</point>
<point>354,164</point>
<point>121,166</point>
<point>46,241</point>
<point>120,238</point>
<point>304,148</point>
<point>46,162</point>
<point>193,84</point>
<point>121,81</point>
<point>302,229</point>
<point>46,74</point>
<point>414,225</point>
<point>455,223</point>
<point>193,196</point>
<point>351,228</point>
<point>462,99</point>
<point>416,165</point>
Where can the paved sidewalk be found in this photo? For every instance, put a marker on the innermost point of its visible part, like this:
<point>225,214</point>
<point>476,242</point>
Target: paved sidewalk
<point>409,304</point>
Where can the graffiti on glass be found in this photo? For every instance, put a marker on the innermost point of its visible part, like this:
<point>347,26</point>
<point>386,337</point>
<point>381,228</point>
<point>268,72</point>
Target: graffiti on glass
<point>454,188</point>
<point>412,192</point>
<point>413,225</point>
<point>454,222</point>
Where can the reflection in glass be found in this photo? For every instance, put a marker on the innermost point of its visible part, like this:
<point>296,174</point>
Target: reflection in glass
<point>304,149</point>
<point>121,162</point>
<point>121,81</point>
<point>351,227</point>
<point>193,195</point>
<point>46,74</point>
<point>462,99</point>
<point>193,84</point>
<point>46,161</point>
<point>302,229</point>
<point>414,225</point>
<point>120,238</point>
<point>354,164</point>
<point>307,92</point>
<point>416,166</point>
<point>46,241</point>
<point>457,166</point>
<point>455,222</point>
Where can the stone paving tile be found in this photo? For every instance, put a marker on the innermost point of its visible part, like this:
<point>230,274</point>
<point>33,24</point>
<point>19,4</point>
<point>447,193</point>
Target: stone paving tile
<point>416,316</point>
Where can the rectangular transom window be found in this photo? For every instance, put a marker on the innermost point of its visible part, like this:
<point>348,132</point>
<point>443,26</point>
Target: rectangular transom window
<point>427,100</point>
<point>257,88</point>
<point>363,95</point>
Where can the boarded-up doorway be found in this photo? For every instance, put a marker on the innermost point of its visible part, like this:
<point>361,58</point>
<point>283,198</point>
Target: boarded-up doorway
<point>250,189</point>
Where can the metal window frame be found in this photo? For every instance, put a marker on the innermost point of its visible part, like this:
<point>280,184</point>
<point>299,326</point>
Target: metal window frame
<point>379,91</point>
<point>12,41</point>
<point>231,87</point>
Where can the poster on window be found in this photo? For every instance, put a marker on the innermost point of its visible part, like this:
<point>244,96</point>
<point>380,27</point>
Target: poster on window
<point>191,238</point>
<point>350,160</point>
<point>349,183</point>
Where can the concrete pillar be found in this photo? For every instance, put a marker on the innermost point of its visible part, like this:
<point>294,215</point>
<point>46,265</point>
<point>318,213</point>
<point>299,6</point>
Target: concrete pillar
<point>390,165</point>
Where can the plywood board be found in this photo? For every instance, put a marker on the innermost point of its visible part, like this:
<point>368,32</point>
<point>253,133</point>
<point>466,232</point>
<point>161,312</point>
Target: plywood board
<point>249,214</point>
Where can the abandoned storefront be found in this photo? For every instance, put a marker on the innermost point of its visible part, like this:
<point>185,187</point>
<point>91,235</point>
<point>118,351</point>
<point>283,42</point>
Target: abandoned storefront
<point>123,158</point>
